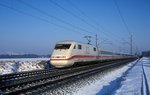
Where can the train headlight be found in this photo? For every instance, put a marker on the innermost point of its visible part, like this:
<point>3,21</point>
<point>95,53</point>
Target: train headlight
<point>63,56</point>
<point>58,56</point>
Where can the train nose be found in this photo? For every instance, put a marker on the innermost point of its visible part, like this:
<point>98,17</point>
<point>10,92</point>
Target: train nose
<point>61,63</point>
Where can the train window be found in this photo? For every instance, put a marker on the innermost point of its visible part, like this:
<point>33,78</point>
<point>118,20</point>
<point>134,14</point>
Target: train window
<point>62,46</point>
<point>94,49</point>
<point>79,47</point>
<point>106,52</point>
<point>74,47</point>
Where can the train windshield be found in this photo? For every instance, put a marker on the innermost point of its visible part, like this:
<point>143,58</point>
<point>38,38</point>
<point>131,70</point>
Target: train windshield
<point>62,46</point>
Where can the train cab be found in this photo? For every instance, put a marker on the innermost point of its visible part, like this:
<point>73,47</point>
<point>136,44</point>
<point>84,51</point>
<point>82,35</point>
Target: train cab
<point>66,53</point>
<point>61,54</point>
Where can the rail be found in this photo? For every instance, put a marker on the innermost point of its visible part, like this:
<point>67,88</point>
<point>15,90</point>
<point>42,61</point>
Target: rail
<point>23,82</point>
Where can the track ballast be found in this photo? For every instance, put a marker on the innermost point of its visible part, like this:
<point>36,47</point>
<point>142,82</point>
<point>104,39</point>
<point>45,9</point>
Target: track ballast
<point>37,81</point>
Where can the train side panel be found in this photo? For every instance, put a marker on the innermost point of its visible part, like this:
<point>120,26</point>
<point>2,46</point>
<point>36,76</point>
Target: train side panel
<point>61,57</point>
<point>67,53</point>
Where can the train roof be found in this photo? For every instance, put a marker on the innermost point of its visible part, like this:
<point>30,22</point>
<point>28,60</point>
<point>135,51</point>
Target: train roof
<point>67,41</point>
<point>72,41</point>
<point>100,49</point>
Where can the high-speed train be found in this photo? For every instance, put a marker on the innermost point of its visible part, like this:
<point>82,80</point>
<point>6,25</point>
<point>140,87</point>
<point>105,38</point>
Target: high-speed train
<point>68,53</point>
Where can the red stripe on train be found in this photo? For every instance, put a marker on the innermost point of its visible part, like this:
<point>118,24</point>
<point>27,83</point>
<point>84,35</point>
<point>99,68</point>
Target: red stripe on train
<point>80,56</point>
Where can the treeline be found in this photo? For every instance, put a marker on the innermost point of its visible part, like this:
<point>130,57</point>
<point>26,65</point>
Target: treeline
<point>146,53</point>
<point>24,56</point>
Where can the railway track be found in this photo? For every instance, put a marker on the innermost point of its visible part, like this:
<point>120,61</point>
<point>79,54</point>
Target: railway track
<point>145,86</point>
<point>36,81</point>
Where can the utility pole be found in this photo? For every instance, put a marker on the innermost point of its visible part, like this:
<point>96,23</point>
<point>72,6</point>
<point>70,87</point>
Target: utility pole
<point>88,39</point>
<point>136,51</point>
<point>97,47</point>
<point>96,44</point>
<point>131,44</point>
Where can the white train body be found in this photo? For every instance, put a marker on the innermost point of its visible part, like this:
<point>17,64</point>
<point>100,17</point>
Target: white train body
<point>67,53</point>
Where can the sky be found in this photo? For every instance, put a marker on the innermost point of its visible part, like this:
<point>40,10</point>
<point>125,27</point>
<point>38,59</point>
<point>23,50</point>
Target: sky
<point>34,26</point>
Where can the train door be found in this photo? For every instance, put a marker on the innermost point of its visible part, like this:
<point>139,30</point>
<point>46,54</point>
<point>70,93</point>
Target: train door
<point>87,50</point>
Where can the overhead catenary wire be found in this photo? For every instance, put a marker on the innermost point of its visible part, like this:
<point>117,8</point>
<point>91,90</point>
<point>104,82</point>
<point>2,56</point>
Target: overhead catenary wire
<point>45,20</point>
<point>84,14</point>
<point>58,5</point>
<point>103,29</point>
<point>77,8</point>
<point>73,14</point>
<point>122,18</point>
<point>56,18</point>
<point>39,18</point>
<point>126,26</point>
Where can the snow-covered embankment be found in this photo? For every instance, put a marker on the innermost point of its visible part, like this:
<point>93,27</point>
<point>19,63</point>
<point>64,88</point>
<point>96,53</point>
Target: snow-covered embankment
<point>19,65</point>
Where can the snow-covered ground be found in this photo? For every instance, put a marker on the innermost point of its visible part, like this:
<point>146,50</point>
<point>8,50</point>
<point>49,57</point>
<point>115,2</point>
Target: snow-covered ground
<point>23,59</point>
<point>103,83</point>
<point>21,64</point>
<point>106,84</point>
<point>135,82</point>
<point>132,79</point>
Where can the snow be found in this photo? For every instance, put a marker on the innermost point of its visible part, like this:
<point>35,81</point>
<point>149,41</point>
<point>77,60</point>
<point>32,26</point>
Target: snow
<point>134,81</point>
<point>124,80</point>
<point>23,59</point>
<point>129,86</point>
<point>6,67</point>
<point>146,65</point>
<point>21,64</point>
<point>104,85</point>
